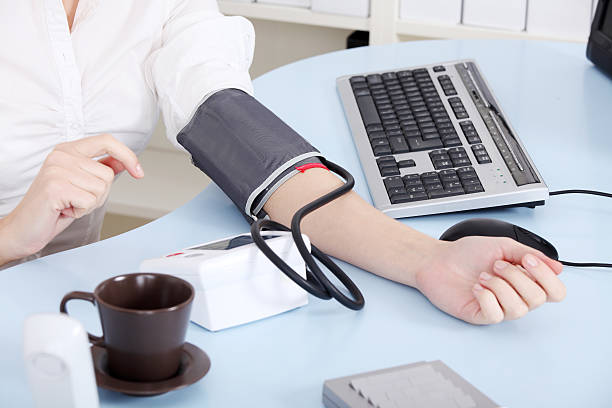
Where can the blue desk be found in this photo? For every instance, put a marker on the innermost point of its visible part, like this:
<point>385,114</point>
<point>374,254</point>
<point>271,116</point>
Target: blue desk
<point>557,356</point>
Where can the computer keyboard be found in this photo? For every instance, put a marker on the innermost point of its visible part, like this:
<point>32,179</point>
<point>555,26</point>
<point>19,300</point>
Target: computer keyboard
<point>433,139</point>
<point>418,385</point>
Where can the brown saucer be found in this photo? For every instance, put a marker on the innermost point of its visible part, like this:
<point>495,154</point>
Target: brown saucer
<point>194,365</point>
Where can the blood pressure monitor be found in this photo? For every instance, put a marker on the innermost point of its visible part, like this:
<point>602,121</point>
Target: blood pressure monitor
<point>599,48</point>
<point>235,282</point>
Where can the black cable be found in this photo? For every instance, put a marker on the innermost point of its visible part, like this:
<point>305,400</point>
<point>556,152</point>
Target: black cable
<point>586,264</point>
<point>591,192</point>
<point>316,282</point>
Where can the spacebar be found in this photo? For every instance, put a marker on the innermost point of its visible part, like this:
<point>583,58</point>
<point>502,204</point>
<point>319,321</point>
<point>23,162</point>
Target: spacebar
<point>417,144</point>
<point>369,114</point>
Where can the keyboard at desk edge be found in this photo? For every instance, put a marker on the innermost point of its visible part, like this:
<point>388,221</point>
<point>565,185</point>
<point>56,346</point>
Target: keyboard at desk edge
<point>433,139</point>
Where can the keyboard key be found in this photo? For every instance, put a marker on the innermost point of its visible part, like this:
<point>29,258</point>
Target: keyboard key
<point>374,79</point>
<point>385,159</point>
<point>379,142</point>
<point>389,171</point>
<point>451,184</point>
<point>412,180</point>
<point>466,172</point>
<point>452,142</point>
<point>404,74</point>
<point>396,191</point>
<point>484,159</point>
<point>462,162</point>
<point>447,172</point>
<point>398,144</point>
<point>393,182</point>
<point>406,163</point>
<point>442,164</point>
<point>362,92</point>
<point>377,135</point>
<point>430,175</point>
<point>415,189</point>
<point>409,197</point>
<point>474,188</point>
<point>446,192</point>
<point>369,114</point>
<point>434,186</point>
<point>470,181</point>
<point>417,144</point>
<point>448,178</point>
<point>381,150</point>
<point>393,132</point>
<point>439,68</point>
<point>374,128</point>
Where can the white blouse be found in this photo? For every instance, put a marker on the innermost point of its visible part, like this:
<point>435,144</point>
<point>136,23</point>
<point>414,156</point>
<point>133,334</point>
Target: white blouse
<point>121,64</point>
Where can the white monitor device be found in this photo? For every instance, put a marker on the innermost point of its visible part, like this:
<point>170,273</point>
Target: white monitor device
<point>234,281</point>
<point>58,362</point>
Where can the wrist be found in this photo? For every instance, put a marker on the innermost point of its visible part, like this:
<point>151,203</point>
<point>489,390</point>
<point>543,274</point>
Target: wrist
<point>7,253</point>
<point>416,253</point>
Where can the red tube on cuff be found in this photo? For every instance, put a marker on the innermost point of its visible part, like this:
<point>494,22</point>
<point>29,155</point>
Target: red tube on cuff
<point>309,166</point>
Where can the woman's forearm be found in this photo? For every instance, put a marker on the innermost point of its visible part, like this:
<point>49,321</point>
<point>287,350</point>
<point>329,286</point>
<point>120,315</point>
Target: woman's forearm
<point>5,243</point>
<point>351,229</point>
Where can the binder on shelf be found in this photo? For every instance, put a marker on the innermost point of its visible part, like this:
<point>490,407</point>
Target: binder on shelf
<point>295,3</point>
<point>438,11</point>
<point>355,8</point>
<point>502,14</point>
<point>560,18</point>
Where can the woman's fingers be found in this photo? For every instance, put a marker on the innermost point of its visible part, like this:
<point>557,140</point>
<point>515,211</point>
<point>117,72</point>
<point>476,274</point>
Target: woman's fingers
<point>545,277</point>
<point>527,289</point>
<point>113,164</point>
<point>515,251</point>
<point>100,145</point>
<point>80,201</point>
<point>490,311</point>
<point>513,305</point>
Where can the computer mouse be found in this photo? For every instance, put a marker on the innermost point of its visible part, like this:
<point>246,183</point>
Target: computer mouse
<point>487,227</point>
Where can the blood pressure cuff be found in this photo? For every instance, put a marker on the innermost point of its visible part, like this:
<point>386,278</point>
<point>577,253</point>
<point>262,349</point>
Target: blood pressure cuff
<point>244,148</point>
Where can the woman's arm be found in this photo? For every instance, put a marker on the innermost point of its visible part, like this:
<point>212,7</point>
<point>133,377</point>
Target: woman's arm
<point>462,278</point>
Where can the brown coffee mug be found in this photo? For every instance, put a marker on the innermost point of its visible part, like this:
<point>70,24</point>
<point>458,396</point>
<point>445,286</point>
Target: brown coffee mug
<point>144,320</point>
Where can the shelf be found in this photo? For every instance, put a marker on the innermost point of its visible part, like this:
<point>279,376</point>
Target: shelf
<point>433,30</point>
<point>293,15</point>
<point>381,31</point>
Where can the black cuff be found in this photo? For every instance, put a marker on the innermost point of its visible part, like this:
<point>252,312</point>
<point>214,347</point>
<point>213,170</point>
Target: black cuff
<point>242,146</point>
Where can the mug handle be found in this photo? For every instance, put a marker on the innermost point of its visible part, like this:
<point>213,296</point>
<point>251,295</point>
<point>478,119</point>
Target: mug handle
<point>96,340</point>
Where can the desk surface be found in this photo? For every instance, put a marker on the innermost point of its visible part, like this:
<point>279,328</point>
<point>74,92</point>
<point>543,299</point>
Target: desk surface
<point>556,356</point>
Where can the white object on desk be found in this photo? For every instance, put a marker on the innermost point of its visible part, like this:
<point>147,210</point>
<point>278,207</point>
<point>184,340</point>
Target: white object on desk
<point>234,281</point>
<point>560,18</point>
<point>58,362</point>
<point>439,11</point>
<point>357,8</point>
<point>295,3</point>
<point>503,14</point>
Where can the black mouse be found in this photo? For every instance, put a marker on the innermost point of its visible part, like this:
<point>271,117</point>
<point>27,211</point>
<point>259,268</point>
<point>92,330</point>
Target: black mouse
<point>487,227</point>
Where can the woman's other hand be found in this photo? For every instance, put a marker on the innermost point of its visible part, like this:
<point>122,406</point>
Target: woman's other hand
<point>70,184</point>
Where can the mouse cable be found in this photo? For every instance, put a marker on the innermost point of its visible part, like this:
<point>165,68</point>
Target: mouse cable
<point>591,192</point>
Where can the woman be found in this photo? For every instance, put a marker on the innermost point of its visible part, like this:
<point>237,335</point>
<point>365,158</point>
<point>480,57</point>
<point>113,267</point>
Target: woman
<point>85,79</point>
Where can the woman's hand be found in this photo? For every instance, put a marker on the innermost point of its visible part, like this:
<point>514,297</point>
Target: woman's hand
<point>69,185</point>
<point>485,280</point>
